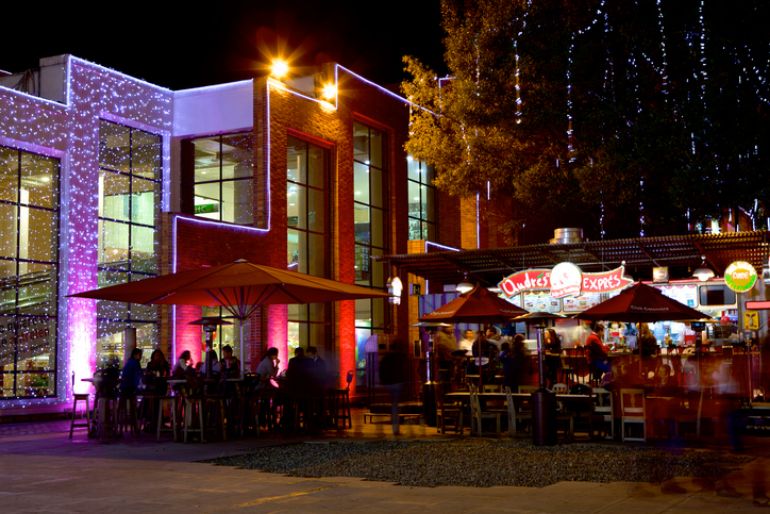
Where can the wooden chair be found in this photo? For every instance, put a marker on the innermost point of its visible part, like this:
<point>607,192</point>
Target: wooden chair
<point>632,412</point>
<point>478,416</point>
<point>452,412</point>
<point>604,410</point>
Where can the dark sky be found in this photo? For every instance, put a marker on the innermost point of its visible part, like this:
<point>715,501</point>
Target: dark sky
<point>180,45</point>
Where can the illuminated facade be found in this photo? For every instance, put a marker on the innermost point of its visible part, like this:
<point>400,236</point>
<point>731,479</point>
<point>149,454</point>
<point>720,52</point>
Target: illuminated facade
<point>105,178</point>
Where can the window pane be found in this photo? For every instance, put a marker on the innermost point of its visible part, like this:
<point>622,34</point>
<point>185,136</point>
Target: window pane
<point>143,249</point>
<point>113,195</point>
<point>8,230</point>
<point>143,201</point>
<point>412,169</point>
<point>38,234</point>
<point>206,159</point>
<point>316,255</point>
<point>39,180</point>
<point>296,210</point>
<point>360,143</point>
<point>414,199</point>
<point>113,244</point>
<point>378,228</point>
<point>414,229</point>
<point>239,199</point>
<point>114,146</point>
<point>297,312</point>
<point>377,192</point>
<point>427,203</point>
<point>376,148</point>
<point>361,182</point>
<point>297,245</point>
<point>316,209</point>
<point>317,312</point>
<point>296,160</point>
<point>363,313</point>
<point>145,154</point>
<point>237,156</point>
<point>207,200</point>
<point>363,275</point>
<point>378,312</point>
<point>9,174</point>
<point>316,174</point>
<point>361,220</point>
<point>37,291</point>
<point>429,231</point>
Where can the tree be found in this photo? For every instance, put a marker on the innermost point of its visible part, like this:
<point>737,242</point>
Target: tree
<point>623,118</point>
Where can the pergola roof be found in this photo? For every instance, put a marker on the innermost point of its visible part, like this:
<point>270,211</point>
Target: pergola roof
<point>684,252</point>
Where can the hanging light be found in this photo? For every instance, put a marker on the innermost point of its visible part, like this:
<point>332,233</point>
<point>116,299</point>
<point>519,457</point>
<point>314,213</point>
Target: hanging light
<point>464,286</point>
<point>703,272</point>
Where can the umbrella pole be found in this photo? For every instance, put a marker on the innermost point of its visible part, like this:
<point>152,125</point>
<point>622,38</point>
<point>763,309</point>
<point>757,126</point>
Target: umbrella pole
<point>240,343</point>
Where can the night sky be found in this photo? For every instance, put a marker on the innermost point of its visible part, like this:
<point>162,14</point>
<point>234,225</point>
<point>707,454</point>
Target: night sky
<point>180,45</point>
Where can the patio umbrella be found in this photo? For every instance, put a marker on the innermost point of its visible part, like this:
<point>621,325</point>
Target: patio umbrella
<point>240,287</point>
<point>641,303</point>
<point>476,306</point>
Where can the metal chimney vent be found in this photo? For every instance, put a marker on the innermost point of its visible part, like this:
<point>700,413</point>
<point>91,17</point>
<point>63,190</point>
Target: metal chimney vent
<point>567,235</point>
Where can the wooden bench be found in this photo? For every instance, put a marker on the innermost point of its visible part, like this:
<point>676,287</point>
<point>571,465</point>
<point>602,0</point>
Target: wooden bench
<point>402,416</point>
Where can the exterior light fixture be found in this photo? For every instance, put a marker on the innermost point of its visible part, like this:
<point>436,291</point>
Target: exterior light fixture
<point>464,286</point>
<point>703,272</point>
<point>279,68</point>
<point>329,91</point>
<point>395,287</point>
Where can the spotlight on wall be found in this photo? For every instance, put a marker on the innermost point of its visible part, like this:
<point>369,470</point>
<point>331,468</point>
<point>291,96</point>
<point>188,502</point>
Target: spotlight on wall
<point>279,68</point>
<point>329,91</point>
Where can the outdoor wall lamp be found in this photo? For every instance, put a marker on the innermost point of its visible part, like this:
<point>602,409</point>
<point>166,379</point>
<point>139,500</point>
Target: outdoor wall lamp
<point>464,286</point>
<point>395,287</point>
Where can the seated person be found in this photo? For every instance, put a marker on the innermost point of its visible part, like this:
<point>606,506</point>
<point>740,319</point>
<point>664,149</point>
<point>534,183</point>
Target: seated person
<point>229,366</point>
<point>131,376</point>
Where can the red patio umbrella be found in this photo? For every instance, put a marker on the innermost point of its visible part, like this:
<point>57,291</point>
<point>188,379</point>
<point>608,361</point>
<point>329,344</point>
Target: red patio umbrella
<point>476,306</point>
<point>240,287</point>
<point>641,303</point>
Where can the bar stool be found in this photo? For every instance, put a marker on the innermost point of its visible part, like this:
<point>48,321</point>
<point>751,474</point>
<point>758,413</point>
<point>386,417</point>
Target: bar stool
<point>215,414</point>
<point>127,418</point>
<point>193,405</point>
<point>171,402</point>
<point>80,397</point>
<point>105,417</point>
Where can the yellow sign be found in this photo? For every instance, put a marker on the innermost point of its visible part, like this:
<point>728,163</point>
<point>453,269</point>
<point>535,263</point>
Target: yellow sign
<point>751,320</point>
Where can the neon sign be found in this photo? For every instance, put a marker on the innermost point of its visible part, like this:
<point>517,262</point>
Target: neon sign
<point>564,281</point>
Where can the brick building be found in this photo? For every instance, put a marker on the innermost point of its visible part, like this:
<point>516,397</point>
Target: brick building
<point>107,179</point>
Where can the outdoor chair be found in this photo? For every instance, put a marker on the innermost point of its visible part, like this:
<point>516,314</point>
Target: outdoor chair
<point>603,411</point>
<point>518,413</point>
<point>632,413</point>
<point>77,398</point>
<point>452,413</point>
<point>478,416</point>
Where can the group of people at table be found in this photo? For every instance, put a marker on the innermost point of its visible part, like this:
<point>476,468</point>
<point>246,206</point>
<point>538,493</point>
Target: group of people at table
<point>282,399</point>
<point>668,380</point>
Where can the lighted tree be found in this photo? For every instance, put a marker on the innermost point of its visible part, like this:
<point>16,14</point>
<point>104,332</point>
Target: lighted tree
<point>626,118</point>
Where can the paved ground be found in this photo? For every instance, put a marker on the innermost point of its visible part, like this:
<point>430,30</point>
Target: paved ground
<point>45,472</point>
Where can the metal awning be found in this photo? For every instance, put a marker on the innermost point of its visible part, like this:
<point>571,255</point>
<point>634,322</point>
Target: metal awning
<point>680,253</point>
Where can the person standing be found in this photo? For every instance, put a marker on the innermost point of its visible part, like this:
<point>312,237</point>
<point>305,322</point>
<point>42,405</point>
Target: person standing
<point>596,352</point>
<point>393,376</point>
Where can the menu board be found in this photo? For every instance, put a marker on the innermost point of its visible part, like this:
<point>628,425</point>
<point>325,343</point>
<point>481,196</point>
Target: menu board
<point>540,302</point>
<point>682,293</point>
<point>582,302</point>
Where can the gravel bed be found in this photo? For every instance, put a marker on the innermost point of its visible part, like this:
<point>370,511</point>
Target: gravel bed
<point>484,462</point>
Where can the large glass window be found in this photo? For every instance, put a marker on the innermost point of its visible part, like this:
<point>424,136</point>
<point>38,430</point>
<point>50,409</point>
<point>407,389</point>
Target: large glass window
<point>129,209</point>
<point>224,178</point>
<point>307,235</point>
<point>29,242</point>
<point>422,200</point>
<point>370,212</point>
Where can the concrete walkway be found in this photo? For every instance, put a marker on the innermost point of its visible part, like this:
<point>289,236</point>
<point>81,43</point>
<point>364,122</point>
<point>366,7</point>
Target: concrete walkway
<point>43,471</point>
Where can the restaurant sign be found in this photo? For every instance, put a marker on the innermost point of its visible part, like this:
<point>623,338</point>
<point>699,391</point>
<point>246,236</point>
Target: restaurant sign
<point>564,280</point>
<point>740,276</point>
